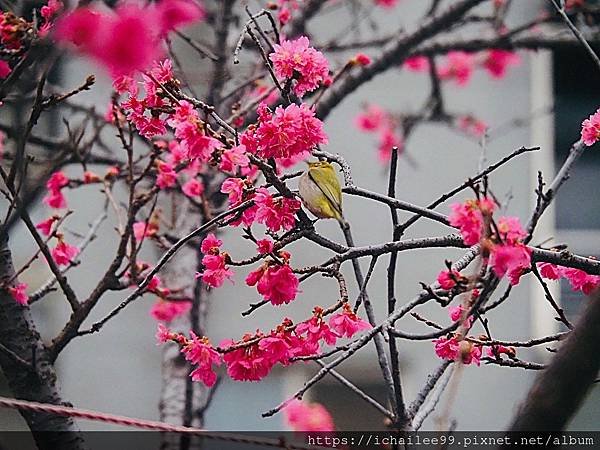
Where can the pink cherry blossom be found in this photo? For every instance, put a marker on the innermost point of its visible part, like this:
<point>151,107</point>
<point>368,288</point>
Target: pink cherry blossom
<point>361,59</point>
<point>166,176</point>
<point>512,259</point>
<point>210,244</point>
<point>215,270</point>
<point>5,69</point>
<point>57,181</point>
<point>417,64</point>
<point>64,254</point>
<point>497,62</point>
<point>277,283</point>
<point>199,352</point>
<point>472,126</point>
<point>233,158</point>
<point>447,348</point>
<point>387,141</point>
<point>590,129</point>
<point>275,213</point>
<point>305,417</point>
<point>249,363</point>
<point>176,13</point>
<point>371,118</point>
<point>165,311</point>
<point>19,293</point>
<point>285,132</point>
<point>510,229</point>
<point>459,313</point>
<point>264,246</point>
<point>386,3</point>
<point>45,226</point>
<point>458,67</point>
<point>316,329</point>
<point>144,229</point>
<point>549,271</point>
<point>162,334</point>
<point>346,323</point>
<point>447,279</point>
<point>580,280</point>
<point>495,350</point>
<point>193,188</point>
<point>468,217</point>
<point>299,61</point>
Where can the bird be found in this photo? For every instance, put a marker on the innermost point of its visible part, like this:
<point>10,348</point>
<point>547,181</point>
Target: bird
<point>321,192</point>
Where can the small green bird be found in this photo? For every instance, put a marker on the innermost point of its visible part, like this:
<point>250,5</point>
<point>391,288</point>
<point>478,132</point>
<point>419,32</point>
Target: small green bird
<point>321,192</point>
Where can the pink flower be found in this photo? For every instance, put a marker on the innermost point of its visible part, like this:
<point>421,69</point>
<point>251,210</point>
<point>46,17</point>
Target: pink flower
<point>64,254</point>
<point>284,133</point>
<point>233,158</point>
<point>512,259</point>
<point>316,329</point>
<point>590,129</point>
<point>470,353</point>
<point>210,244</point>
<point>473,126</point>
<point>387,141</point>
<point>199,352</point>
<point>417,64</point>
<point>19,293</point>
<point>580,280</point>
<point>175,13</point>
<point>510,229</point>
<point>162,334</point>
<point>371,118</point>
<point>494,351</point>
<point>248,363</point>
<point>459,313</point>
<point>497,62</point>
<point>386,3</point>
<point>166,311</point>
<point>55,199</point>
<point>264,246</point>
<point>278,346</point>
<point>468,217</point>
<point>458,67</point>
<point>452,349</point>
<point>275,213</point>
<point>215,270</point>
<point>277,284</point>
<point>447,279</point>
<point>193,188</point>
<point>347,323</point>
<point>166,176</point>
<point>361,59</point>
<point>297,60</point>
<point>144,229</point>
<point>5,69</point>
<point>308,417</point>
<point>125,41</point>
<point>45,226</point>
<point>549,271</point>
<point>447,348</point>
<point>234,188</point>
<point>57,181</point>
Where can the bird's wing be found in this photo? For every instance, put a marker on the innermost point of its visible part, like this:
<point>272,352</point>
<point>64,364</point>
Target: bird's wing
<point>334,196</point>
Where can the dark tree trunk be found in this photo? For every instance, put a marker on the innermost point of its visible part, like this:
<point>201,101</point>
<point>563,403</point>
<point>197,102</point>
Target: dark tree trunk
<point>38,382</point>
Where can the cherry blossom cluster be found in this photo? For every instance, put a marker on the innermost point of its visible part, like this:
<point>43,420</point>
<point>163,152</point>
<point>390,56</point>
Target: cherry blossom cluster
<point>252,357</point>
<point>374,119</point>
<point>129,38</point>
<point>459,66</point>
<point>501,238</point>
<point>578,279</point>
<point>590,129</point>
<point>298,63</point>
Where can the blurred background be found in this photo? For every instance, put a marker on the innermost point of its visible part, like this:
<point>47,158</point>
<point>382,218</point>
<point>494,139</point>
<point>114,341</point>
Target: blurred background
<point>539,103</point>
